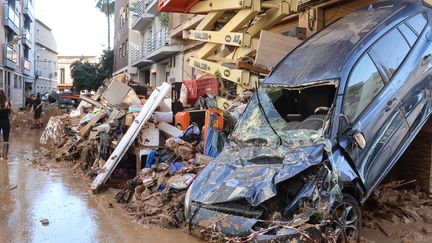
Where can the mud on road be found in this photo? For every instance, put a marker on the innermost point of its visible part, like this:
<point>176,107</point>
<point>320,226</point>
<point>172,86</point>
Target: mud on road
<point>54,204</point>
<point>29,196</point>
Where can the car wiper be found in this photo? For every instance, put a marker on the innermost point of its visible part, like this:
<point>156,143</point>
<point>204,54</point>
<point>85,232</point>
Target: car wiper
<point>265,115</point>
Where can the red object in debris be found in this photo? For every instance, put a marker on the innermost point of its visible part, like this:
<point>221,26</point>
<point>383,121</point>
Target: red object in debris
<point>182,120</point>
<point>176,6</point>
<point>206,85</point>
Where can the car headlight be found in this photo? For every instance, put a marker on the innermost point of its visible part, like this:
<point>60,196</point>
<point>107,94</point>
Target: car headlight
<point>188,203</point>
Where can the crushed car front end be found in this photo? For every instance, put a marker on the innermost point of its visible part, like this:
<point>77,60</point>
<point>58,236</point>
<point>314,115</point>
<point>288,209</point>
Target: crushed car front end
<point>275,180</point>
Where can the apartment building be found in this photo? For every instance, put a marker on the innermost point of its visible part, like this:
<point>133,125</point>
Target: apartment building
<point>65,81</point>
<point>45,59</point>
<point>121,36</point>
<point>156,56</point>
<point>17,47</point>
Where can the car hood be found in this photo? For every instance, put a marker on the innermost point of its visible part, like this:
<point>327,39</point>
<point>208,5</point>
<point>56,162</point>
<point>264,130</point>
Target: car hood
<point>251,173</point>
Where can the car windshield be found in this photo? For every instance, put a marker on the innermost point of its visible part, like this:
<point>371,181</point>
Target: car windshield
<point>288,117</point>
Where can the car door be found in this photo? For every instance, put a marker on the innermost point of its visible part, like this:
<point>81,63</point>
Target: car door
<point>414,78</point>
<point>372,105</point>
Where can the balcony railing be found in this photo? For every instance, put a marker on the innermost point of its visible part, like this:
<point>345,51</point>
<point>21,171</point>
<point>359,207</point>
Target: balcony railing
<point>28,7</point>
<point>26,64</point>
<point>11,16</point>
<point>154,42</point>
<point>139,8</point>
<point>27,35</point>
<point>11,54</point>
<point>159,39</point>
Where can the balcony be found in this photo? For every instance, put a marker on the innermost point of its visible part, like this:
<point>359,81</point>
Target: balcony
<point>160,46</point>
<point>143,14</point>
<point>10,56</point>
<point>154,48</point>
<point>138,56</point>
<point>27,38</point>
<point>26,66</point>
<point>28,9</point>
<point>11,18</point>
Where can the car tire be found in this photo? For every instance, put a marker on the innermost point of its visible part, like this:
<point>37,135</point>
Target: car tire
<point>347,220</point>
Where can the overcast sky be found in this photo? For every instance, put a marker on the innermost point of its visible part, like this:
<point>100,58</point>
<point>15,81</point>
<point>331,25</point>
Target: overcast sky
<point>78,27</point>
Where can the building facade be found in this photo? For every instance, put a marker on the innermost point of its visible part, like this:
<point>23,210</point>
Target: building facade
<point>156,56</point>
<point>45,55</point>
<point>17,47</point>
<point>121,36</point>
<point>65,81</point>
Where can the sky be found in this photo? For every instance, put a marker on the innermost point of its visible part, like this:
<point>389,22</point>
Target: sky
<point>78,27</point>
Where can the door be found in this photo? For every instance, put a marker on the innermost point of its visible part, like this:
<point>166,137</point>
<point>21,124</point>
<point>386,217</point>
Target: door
<point>372,107</point>
<point>414,76</point>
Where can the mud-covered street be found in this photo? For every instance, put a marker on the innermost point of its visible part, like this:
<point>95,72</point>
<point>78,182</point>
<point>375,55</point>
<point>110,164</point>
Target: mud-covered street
<point>73,213</point>
<point>29,195</point>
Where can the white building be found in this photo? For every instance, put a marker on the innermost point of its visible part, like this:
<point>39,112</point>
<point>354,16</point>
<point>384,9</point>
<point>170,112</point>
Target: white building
<point>45,56</point>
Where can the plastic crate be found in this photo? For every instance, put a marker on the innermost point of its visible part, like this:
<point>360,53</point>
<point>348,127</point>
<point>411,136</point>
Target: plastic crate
<point>201,87</point>
<point>207,85</point>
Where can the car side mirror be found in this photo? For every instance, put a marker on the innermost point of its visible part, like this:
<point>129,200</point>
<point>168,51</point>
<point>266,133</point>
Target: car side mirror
<point>359,140</point>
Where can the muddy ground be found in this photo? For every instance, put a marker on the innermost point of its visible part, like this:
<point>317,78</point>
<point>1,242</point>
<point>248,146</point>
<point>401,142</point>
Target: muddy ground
<point>55,205</point>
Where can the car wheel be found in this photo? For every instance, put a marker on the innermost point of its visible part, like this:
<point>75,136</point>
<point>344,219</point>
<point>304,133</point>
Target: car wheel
<point>347,220</point>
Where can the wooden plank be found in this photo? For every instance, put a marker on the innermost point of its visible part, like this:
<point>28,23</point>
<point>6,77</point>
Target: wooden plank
<point>88,127</point>
<point>272,48</point>
<point>149,107</point>
<point>90,101</point>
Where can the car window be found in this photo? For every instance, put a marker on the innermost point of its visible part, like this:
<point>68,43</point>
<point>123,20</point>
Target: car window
<point>408,33</point>
<point>363,86</point>
<point>390,51</point>
<point>418,22</point>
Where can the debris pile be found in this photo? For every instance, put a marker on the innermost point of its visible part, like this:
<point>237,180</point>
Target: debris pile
<point>123,138</point>
<point>396,206</point>
<point>394,203</point>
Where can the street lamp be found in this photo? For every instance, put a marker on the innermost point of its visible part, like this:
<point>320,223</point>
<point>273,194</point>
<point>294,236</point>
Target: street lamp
<point>36,73</point>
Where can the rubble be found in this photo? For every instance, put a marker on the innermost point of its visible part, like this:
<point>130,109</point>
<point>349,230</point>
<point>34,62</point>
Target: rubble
<point>124,141</point>
<point>395,207</point>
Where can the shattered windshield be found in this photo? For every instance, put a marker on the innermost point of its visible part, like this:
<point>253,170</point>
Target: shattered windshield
<point>291,118</point>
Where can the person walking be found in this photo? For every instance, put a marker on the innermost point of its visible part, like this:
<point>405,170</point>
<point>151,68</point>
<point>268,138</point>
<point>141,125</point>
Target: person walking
<point>5,116</point>
<point>37,110</point>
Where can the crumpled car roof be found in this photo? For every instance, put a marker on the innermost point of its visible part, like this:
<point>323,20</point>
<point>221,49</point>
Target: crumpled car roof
<point>322,56</point>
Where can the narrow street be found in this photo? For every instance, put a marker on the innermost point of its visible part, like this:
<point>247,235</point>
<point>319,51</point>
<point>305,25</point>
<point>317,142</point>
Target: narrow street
<point>74,214</point>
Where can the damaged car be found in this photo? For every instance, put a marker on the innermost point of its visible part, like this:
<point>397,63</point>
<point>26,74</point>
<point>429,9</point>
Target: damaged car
<point>321,132</point>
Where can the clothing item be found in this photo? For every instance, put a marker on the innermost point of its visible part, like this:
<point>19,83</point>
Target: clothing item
<point>5,151</point>
<point>38,114</point>
<point>4,114</point>
<point>5,129</point>
<point>37,105</point>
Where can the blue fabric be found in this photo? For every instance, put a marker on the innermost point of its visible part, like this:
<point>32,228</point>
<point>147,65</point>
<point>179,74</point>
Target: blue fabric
<point>174,167</point>
<point>150,159</point>
<point>211,147</point>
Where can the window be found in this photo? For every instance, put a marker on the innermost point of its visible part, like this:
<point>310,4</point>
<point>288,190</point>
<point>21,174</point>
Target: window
<point>409,35</point>
<point>418,22</point>
<point>363,86</point>
<point>123,49</point>
<point>62,75</point>
<point>1,79</point>
<point>120,52</point>
<point>127,47</point>
<point>390,51</point>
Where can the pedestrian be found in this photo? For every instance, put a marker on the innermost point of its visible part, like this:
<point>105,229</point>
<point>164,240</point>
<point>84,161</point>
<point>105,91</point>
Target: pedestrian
<point>5,112</point>
<point>37,110</point>
<point>29,101</point>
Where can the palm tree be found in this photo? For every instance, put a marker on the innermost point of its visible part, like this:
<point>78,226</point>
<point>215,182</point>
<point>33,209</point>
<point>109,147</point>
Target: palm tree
<point>107,7</point>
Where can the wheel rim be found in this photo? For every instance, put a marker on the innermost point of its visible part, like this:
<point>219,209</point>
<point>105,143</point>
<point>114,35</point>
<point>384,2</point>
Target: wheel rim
<point>346,223</point>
